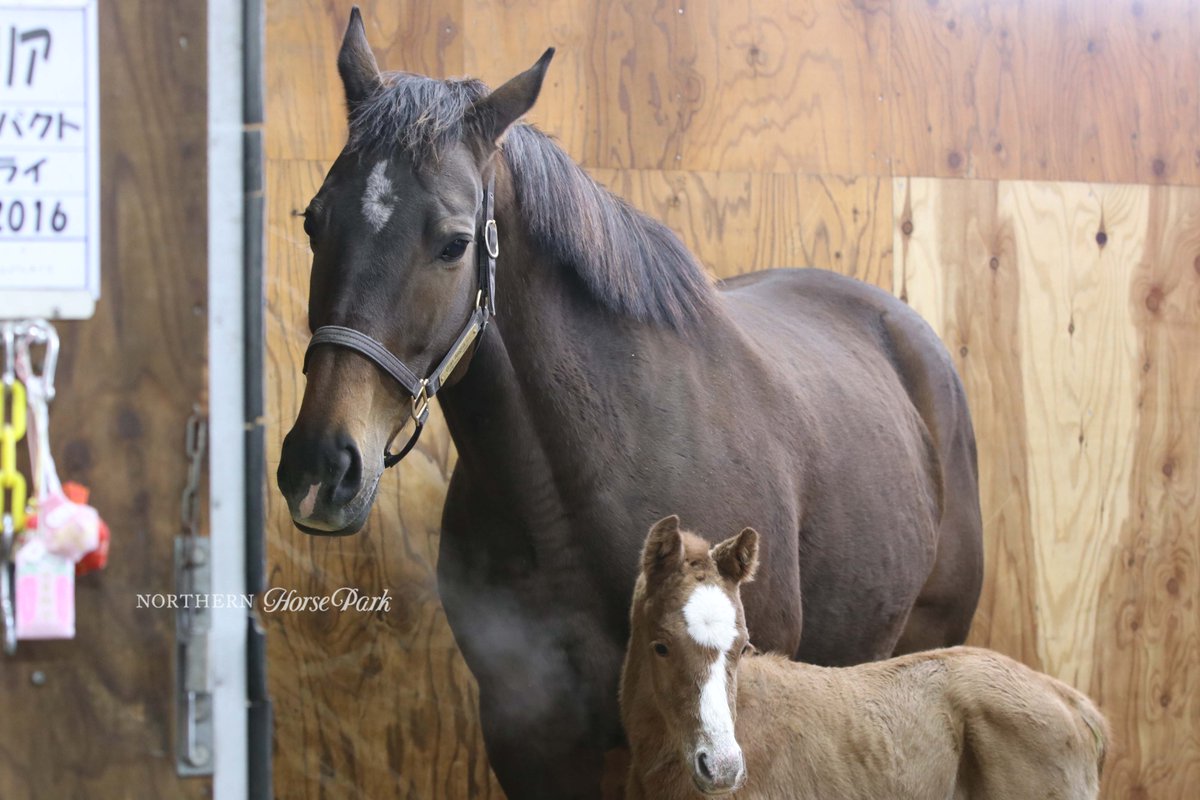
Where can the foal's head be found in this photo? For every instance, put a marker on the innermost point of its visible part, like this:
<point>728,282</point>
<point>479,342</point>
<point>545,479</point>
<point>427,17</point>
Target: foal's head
<point>689,631</point>
<point>394,232</point>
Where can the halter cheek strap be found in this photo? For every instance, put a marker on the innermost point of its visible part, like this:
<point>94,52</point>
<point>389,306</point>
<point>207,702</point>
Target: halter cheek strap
<point>422,390</point>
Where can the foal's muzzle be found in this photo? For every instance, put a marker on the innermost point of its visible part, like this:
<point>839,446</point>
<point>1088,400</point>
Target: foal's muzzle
<point>718,771</point>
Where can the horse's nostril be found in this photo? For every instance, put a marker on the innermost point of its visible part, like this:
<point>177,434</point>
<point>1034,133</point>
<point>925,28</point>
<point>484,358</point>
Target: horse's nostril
<point>702,766</point>
<point>347,474</point>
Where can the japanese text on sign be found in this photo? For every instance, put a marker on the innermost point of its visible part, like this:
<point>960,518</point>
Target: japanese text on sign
<point>48,158</point>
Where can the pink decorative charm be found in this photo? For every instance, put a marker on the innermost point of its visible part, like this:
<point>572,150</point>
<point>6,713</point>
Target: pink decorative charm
<point>45,584</point>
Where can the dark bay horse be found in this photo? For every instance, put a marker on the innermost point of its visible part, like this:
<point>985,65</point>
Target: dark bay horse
<point>615,384</point>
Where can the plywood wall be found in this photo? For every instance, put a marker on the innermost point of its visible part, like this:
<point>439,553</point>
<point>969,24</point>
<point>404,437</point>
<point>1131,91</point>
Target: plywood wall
<point>1021,173</point>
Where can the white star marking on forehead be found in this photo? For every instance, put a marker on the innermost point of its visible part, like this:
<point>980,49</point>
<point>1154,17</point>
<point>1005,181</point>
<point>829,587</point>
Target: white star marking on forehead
<point>374,207</point>
<point>711,618</point>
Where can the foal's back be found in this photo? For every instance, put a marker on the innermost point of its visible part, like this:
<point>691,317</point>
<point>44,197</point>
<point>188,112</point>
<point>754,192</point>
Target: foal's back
<point>954,723</point>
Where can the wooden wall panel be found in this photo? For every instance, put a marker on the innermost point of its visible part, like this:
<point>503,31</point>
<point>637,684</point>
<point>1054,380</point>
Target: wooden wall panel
<point>306,111</point>
<point>739,222</point>
<point>1085,303</point>
<point>730,86</point>
<point>1047,89</point>
<point>962,277</point>
<point>101,724</point>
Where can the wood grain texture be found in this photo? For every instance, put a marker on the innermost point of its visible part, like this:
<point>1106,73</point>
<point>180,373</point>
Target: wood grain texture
<point>729,86</point>
<point>1047,90</point>
<point>1084,303</point>
<point>102,725</point>
<point>306,110</point>
<point>740,222</point>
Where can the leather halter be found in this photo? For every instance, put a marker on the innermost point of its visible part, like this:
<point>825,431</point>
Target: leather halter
<point>422,390</point>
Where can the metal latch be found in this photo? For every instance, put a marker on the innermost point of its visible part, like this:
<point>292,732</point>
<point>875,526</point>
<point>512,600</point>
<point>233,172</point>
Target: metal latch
<point>193,621</point>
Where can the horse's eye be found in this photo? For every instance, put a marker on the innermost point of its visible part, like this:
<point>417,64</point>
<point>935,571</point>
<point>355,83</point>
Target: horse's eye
<point>747,649</point>
<point>660,649</point>
<point>455,249</point>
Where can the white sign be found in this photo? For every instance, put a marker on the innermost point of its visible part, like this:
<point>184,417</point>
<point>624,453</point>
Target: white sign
<point>49,159</point>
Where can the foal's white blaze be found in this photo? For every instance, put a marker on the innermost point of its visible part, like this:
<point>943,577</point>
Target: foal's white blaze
<point>375,207</point>
<point>712,622</point>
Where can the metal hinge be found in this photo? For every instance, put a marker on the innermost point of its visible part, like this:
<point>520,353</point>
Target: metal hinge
<point>193,621</point>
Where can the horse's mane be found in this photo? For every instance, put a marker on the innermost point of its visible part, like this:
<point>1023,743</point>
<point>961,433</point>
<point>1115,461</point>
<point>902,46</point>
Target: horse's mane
<point>629,263</point>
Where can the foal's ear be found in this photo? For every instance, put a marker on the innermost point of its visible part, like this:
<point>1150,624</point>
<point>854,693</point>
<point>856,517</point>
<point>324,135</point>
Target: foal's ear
<point>500,109</point>
<point>356,62</point>
<point>664,547</point>
<point>737,558</point>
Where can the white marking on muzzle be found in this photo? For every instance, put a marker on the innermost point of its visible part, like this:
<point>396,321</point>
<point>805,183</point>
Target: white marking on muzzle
<point>716,721</point>
<point>309,502</point>
<point>712,622</point>
<point>376,211</point>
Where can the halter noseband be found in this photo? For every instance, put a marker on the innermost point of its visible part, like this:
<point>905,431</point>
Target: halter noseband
<point>422,390</point>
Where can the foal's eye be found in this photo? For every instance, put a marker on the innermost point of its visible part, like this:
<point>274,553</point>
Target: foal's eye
<point>455,250</point>
<point>660,649</point>
<point>748,649</point>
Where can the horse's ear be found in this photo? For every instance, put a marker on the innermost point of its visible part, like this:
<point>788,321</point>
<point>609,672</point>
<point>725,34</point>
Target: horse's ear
<point>664,547</point>
<point>356,62</point>
<point>737,558</point>
<point>500,109</point>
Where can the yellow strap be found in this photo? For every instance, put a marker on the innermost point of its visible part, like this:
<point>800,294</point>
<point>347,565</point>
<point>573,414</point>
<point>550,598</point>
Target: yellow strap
<point>13,490</point>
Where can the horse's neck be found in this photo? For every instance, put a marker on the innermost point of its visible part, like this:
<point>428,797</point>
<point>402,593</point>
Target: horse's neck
<point>542,381</point>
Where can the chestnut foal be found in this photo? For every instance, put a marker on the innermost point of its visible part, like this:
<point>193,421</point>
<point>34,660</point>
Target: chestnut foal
<point>705,715</point>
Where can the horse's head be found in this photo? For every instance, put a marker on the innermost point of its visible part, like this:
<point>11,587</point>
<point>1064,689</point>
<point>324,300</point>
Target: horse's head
<point>394,232</point>
<point>689,628</point>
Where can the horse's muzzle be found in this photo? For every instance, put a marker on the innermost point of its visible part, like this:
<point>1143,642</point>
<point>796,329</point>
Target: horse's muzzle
<point>717,772</point>
<point>329,490</point>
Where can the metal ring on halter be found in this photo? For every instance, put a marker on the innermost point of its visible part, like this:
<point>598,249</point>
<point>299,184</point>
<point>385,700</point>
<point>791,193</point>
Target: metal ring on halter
<point>491,237</point>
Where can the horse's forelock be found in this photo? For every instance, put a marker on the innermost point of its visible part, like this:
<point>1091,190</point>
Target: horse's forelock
<point>414,114</point>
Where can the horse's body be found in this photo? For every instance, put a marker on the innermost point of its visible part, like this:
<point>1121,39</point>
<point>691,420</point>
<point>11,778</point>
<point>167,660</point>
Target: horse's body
<point>953,724</point>
<point>616,384</point>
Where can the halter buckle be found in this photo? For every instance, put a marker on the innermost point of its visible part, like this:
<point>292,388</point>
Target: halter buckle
<point>491,238</point>
<point>420,404</point>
